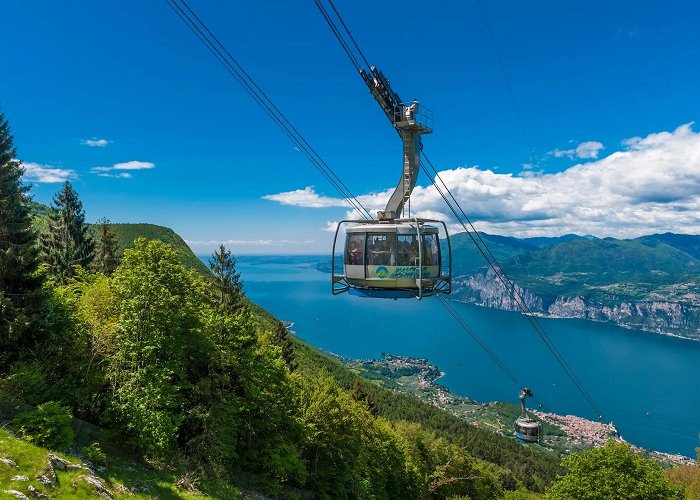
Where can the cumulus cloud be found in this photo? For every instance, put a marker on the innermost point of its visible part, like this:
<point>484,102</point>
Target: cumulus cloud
<point>38,173</point>
<point>134,165</point>
<point>95,142</point>
<point>651,185</point>
<point>585,150</point>
<point>306,197</point>
<point>120,175</point>
<point>129,165</point>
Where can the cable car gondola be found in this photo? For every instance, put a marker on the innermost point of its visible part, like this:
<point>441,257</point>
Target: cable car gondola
<point>392,259</point>
<point>395,257</point>
<point>527,429</point>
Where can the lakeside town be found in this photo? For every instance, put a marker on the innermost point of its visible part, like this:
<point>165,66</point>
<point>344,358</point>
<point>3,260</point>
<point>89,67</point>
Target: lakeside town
<point>561,433</point>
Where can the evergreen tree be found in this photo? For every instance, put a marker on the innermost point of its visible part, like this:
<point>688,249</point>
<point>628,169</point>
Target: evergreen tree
<point>280,337</point>
<point>19,281</point>
<point>359,393</point>
<point>227,280</point>
<point>106,260</point>
<point>68,242</point>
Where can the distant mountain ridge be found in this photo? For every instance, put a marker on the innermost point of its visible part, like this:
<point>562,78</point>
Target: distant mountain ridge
<point>650,283</point>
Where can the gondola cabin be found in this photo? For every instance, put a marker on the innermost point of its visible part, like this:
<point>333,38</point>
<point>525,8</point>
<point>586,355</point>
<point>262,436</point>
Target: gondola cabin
<point>394,259</point>
<point>527,430</point>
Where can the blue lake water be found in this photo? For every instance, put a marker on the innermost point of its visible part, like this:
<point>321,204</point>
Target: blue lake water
<point>647,384</point>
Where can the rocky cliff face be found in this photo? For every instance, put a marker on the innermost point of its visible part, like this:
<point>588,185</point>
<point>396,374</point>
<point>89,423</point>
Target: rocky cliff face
<point>669,318</point>
<point>659,316</point>
<point>484,289</point>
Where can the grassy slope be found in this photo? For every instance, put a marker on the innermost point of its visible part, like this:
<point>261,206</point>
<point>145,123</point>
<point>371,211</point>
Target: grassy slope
<point>127,233</point>
<point>150,483</point>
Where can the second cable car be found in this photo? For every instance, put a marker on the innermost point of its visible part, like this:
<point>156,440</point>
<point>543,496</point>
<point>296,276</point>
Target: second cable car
<point>527,429</point>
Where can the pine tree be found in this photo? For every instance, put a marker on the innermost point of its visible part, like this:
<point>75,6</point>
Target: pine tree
<point>19,281</point>
<point>106,260</point>
<point>281,338</point>
<point>68,242</point>
<point>227,280</point>
<point>360,393</point>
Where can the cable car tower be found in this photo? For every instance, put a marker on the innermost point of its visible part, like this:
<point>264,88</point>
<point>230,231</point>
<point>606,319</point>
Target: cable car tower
<point>395,257</point>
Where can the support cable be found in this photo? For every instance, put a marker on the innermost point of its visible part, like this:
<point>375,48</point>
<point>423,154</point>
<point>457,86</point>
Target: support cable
<point>507,283</point>
<point>201,31</point>
<point>337,34</point>
<point>514,102</point>
<point>352,38</point>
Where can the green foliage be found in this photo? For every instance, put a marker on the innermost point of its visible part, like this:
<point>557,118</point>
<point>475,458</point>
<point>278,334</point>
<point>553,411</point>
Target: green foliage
<point>686,477</point>
<point>446,468</point>
<point>156,300</point>
<point>94,454</point>
<point>49,425</point>
<point>19,280</point>
<point>280,337</point>
<point>126,234</point>
<point>68,242</point>
<point>612,472</point>
<point>530,467</point>
<point>360,394</point>
<point>227,281</point>
<point>106,260</point>
<point>521,495</point>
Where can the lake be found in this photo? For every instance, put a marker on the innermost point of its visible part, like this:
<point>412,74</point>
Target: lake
<point>647,384</point>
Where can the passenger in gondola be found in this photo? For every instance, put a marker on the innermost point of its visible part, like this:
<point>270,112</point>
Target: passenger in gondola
<point>355,253</point>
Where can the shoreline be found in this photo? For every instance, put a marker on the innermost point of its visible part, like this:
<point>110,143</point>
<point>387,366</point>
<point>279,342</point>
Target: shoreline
<point>550,316</point>
<point>562,433</point>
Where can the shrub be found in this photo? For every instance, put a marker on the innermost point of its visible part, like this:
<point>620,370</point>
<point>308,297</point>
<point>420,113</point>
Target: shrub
<point>610,473</point>
<point>48,425</point>
<point>94,454</point>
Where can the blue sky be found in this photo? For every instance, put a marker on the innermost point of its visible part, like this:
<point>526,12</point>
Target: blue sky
<point>607,91</point>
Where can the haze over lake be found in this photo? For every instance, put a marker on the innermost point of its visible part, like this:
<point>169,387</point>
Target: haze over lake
<point>647,384</point>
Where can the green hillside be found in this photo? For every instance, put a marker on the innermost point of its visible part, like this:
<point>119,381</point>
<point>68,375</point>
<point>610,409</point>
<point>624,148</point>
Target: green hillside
<point>688,243</point>
<point>584,267</point>
<point>466,259</point>
<point>127,233</point>
<point>650,283</point>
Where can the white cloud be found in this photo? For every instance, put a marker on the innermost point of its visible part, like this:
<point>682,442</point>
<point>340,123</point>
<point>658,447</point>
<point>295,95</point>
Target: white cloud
<point>36,172</point>
<point>585,150</point>
<point>95,143</point>
<point>129,165</point>
<point>134,165</point>
<point>652,185</point>
<point>120,175</point>
<point>306,197</point>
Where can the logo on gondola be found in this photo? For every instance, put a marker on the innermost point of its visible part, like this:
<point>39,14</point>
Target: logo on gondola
<point>382,272</point>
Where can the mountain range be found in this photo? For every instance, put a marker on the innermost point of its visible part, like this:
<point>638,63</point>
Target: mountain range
<point>649,283</point>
